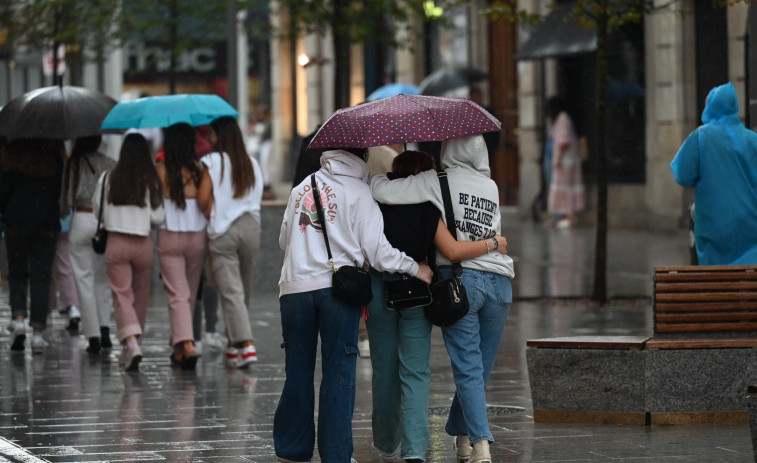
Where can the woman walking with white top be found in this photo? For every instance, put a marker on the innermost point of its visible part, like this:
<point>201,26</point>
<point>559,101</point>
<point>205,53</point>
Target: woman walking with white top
<point>182,239</point>
<point>80,176</point>
<point>230,195</point>
<point>132,204</point>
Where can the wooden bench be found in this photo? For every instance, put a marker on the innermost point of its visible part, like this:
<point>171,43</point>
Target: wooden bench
<point>705,307</point>
<point>696,366</point>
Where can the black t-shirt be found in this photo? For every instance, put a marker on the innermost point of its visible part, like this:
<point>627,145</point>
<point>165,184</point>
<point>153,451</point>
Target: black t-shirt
<point>411,228</point>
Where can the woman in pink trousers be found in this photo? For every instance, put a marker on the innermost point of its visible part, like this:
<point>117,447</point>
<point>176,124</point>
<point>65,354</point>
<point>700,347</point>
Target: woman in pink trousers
<point>133,202</point>
<point>181,239</point>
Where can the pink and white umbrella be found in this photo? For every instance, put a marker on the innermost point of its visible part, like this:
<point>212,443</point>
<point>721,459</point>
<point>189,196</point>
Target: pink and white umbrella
<point>404,119</point>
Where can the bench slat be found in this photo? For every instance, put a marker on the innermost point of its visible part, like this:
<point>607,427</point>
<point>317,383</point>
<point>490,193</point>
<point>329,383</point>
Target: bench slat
<point>590,342</point>
<point>704,317</point>
<point>720,276</point>
<point>704,306</point>
<point>705,268</point>
<point>706,286</point>
<point>705,327</point>
<point>703,343</point>
<point>705,297</point>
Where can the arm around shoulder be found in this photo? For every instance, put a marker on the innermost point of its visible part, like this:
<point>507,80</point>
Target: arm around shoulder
<point>461,250</point>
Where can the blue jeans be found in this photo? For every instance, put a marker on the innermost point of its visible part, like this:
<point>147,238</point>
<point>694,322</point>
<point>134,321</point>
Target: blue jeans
<point>472,344</point>
<point>305,316</point>
<point>400,351</point>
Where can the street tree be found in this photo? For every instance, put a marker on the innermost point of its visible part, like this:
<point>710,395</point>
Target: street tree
<point>75,25</point>
<point>350,22</point>
<point>604,17</point>
<point>175,26</point>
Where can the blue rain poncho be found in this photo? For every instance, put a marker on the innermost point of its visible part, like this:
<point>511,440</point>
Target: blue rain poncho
<point>719,159</point>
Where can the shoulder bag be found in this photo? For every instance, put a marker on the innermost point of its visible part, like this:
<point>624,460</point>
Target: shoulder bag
<point>100,240</point>
<point>449,298</point>
<point>350,284</point>
<point>401,292</point>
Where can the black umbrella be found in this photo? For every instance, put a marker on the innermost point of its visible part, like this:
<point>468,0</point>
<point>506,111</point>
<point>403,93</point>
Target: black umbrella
<point>61,112</point>
<point>444,80</point>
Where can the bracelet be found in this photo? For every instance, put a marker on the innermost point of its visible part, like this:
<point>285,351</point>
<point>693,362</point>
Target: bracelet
<point>486,242</point>
<point>495,243</point>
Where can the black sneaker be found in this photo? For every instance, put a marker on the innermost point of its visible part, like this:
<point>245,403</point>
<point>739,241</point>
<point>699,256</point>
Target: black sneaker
<point>94,345</point>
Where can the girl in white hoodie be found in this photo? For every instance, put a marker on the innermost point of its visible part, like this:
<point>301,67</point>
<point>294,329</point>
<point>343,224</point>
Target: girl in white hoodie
<point>309,309</point>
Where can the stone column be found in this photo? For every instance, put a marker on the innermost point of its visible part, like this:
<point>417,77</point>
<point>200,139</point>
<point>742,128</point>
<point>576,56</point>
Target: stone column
<point>671,108</point>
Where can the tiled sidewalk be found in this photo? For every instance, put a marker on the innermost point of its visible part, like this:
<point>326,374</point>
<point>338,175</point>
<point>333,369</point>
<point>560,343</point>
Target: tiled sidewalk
<point>69,406</point>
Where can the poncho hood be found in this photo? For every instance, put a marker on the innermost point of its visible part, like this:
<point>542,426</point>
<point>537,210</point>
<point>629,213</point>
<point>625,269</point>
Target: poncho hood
<point>722,102</point>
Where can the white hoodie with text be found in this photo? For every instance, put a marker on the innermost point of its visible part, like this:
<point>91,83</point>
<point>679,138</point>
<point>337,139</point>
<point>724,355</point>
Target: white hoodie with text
<point>475,198</point>
<point>354,225</point>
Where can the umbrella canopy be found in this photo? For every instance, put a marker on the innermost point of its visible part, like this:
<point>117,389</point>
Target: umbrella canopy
<point>404,119</point>
<point>60,112</point>
<point>448,79</point>
<point>167,110</point>
<point>393,89</point>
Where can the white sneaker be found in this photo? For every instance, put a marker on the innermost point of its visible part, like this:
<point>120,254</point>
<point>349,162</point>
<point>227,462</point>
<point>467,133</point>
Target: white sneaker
<point>198,347</point>
<point>364,347</point>
<point>232,356</point>
<point>214,341</point>
<point>464,450</point>
<point>74,317</point>
<point>18,334</point>
<point>38,343</point>
<point>247,355</point>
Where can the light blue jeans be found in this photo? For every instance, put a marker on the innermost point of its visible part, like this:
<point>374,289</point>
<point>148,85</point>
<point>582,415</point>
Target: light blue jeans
<point>400,350</point>
<point>472,344</point>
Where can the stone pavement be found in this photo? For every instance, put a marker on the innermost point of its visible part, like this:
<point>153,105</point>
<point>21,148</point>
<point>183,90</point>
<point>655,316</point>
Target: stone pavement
<point>69,406</point>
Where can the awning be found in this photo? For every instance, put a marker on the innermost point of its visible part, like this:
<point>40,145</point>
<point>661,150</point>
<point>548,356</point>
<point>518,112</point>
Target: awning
<point>559,35</point>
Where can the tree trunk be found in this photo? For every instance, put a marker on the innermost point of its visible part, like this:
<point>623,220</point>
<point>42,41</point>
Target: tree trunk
<point>173,35</point>
<point>600,253</point>
<point>342,61</point>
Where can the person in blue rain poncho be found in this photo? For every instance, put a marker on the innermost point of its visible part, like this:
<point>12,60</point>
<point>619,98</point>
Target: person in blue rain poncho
<point>719,159</point>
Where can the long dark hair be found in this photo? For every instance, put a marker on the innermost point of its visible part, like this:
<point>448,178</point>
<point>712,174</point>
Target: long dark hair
<point>33,157</point>
<point>133,175</point>
<point>179,144</point>
<point>230,142</point>
<point>82,147</point>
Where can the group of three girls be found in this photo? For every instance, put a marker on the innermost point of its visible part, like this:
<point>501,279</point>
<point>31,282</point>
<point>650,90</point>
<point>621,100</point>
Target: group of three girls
<point>400,342</point>
<point>202,207</point>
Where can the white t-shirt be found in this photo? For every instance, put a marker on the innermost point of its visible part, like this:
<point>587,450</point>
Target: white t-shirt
<point>226,209</point>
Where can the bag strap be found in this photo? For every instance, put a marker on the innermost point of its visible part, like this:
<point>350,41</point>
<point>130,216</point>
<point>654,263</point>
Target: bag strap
<point>319,208</point>
<point>449,214</point>
<point>102,200</point>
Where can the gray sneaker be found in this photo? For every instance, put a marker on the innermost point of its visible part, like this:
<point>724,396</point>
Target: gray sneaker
<point>18,334</point>
<point>38,343</point>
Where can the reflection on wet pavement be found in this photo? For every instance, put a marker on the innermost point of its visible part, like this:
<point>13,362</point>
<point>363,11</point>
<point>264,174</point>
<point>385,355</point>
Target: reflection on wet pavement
<point>69,406</point>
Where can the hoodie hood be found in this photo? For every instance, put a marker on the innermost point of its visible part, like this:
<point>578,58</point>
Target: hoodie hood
<point>721,102</point>
<point>340,162</point>
<point>468,153</point>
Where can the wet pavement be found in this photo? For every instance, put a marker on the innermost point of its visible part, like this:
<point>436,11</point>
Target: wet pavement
<point>69,406</point>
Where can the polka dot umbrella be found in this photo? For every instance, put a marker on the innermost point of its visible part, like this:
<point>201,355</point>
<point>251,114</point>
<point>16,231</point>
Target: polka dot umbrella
<point>404,119</point>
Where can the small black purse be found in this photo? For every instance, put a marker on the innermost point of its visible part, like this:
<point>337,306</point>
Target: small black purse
<point>449,298</point>
<point>100,240</point>
<point>403,292</point>
<point>350,284</point>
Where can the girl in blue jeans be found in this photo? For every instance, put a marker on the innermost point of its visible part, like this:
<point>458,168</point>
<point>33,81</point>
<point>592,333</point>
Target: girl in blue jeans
<point>401,340</point>
<point>473,341</point>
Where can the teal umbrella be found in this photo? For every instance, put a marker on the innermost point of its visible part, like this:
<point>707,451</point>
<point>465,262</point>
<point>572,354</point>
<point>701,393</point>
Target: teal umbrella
<point>167,110</point>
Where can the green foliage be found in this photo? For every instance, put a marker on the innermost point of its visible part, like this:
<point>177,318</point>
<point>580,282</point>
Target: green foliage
<point>175,25</point>
<point>74,23</point>
<point>358,21</point>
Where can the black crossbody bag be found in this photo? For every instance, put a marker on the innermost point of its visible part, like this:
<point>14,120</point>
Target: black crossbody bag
<point>350,284</point>
<point>449,298</point>
<point>100,240</point>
